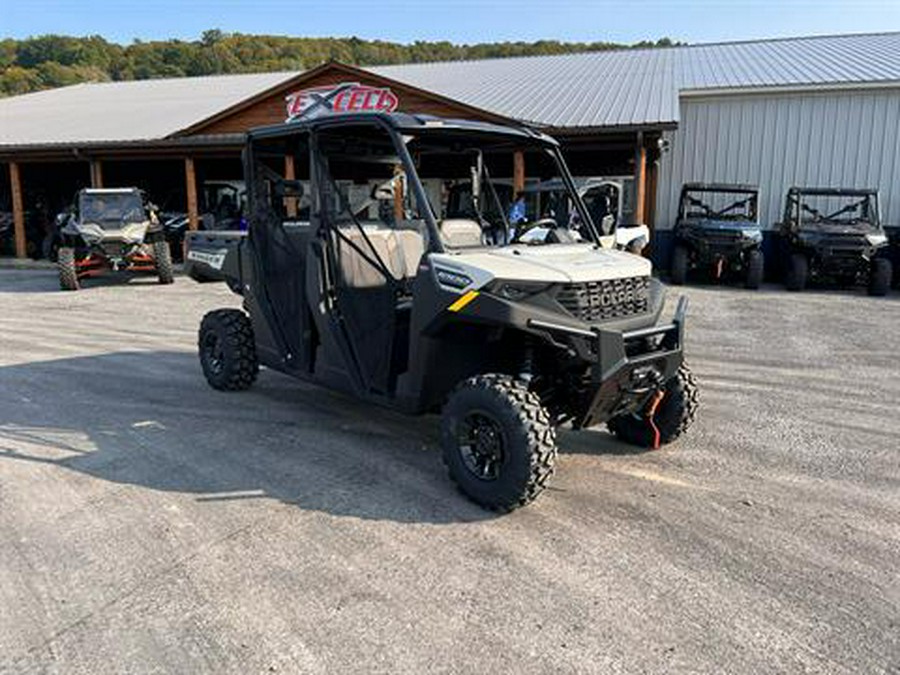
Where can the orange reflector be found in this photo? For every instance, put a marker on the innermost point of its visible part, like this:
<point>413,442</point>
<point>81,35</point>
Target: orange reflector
<point>462,301</point>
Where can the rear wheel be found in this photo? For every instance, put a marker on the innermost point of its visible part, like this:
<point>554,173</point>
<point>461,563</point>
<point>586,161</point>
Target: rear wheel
<point>68,272</point>
<point>498,443</point>
<point>674,414</point>
<point>228,350</point>
<point>798,272</point>
<point>755,264</point>
<point>680,262</point>
<point>162,256</point>
<point>880,276</point>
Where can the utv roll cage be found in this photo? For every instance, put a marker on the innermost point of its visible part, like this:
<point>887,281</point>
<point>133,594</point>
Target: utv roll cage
<point>751,202</point>
<point>396,125</point>
<point>795,206</point>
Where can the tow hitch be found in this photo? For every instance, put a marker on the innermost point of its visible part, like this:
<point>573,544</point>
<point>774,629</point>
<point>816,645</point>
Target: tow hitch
<point>655,400</point>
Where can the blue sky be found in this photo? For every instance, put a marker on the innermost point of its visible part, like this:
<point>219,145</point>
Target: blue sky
<point>461,21</point>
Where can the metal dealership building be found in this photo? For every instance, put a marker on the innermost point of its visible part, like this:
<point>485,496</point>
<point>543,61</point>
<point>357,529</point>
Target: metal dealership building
<point>816,111</point>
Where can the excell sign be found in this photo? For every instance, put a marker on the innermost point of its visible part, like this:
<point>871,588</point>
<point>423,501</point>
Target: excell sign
<point>349,97</point>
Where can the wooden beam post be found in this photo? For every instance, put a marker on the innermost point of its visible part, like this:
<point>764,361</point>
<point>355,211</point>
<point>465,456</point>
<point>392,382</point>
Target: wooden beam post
<point>290,173</point>
<point>518,171</point>
<point>96,173</point>
<point>640,179</point>
<point>18,206</point>
<point>190,176</point>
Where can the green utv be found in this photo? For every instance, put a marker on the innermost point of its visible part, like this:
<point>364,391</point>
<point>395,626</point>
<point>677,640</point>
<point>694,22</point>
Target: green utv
<point>718,234</point>
<point>834,235</point>
<point>354,277</point>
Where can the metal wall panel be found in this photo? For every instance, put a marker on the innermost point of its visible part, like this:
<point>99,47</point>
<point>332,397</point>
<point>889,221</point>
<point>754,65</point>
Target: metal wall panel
<point>849,139</point>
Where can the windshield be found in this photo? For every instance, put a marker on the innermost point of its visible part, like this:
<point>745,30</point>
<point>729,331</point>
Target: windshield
<point>112,207</point>
<point>468,180</point>
<point>723,205</point>
<point>829,210</point>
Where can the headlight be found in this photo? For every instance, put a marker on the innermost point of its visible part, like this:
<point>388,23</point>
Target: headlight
<point>876,239</point>
<point>516,290</point>
<point>752,235</point>
<point>452,280</point>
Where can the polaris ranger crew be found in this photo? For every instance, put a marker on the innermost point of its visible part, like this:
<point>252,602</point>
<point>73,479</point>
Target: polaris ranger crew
<point>834,235</point>
<point>718,233</point>
<point>110,229</point>
<point>352,278</point>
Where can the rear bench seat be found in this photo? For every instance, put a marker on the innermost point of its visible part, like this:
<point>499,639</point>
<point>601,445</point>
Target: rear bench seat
<point>399,250</point>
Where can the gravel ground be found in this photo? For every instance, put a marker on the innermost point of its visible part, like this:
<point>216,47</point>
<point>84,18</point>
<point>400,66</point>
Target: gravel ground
<point>151,524</point>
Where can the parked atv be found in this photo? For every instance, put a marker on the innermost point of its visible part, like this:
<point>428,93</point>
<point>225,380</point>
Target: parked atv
<point>510,338</point>
<point>834,235</point>
<point>893,234</point>
<point>718,233</point>
<point>110,229</point>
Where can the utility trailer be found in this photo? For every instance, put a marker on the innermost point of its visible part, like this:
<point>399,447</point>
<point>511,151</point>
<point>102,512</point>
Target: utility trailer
<point>351,279</point>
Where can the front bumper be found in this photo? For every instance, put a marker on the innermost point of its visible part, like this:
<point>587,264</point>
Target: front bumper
<point>628,367</point>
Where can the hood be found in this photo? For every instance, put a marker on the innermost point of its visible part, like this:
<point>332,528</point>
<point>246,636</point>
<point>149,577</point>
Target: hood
<point>132,233</point>
<point>555,263</point>
<point>840,229</point>
<point>723,225</point>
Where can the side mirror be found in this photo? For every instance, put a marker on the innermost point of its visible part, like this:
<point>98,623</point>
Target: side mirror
<point>633,239</point>
<point>292,188</point>
<point>383,191</point>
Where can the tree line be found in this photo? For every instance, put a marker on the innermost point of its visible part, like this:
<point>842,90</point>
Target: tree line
<point>51,61</point>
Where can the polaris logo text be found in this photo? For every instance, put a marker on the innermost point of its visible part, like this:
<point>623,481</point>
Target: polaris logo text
<point>214,260</point>
<point>350,97</point>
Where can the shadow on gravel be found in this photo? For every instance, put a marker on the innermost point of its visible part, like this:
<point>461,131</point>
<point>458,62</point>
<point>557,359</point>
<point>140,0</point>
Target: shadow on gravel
<point>29,281</point>
<point>47,281</point>
<point>149,419</point>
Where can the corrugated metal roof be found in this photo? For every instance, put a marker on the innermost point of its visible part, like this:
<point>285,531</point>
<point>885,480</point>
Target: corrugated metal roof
<point>641,86</point>
<point>844,59</point>
<point>574,90</point>
<point>124,111</point>
<point>636,87</point>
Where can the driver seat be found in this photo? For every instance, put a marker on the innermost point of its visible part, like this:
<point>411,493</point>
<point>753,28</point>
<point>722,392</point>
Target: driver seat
<point>461,233</point>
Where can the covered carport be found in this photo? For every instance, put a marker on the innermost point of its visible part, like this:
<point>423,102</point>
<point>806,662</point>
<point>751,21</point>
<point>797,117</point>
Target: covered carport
<point>169,137</point>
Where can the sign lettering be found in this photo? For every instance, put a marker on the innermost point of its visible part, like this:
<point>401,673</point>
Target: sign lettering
<point>348,97</point>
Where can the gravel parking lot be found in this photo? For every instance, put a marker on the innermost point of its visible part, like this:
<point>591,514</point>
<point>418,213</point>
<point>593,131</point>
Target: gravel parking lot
<point>151,524</point>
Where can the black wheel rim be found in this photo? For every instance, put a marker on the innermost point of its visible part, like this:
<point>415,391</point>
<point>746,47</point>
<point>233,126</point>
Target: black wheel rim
<point>213,353</point>
<point>481,445</point>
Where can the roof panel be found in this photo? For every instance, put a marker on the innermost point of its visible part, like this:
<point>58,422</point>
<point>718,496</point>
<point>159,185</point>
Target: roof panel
<point>640,86</point>
<point>631,87</point>
<point>123,111</point>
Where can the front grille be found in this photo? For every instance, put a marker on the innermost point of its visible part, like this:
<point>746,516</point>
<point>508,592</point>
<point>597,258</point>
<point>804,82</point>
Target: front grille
<point>722,239</point>
<point>114,249</point>
<point>595,301</point>
<point>847,243</point>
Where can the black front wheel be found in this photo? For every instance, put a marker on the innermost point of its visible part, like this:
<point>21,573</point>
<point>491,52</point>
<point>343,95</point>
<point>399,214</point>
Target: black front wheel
<point>68,271</point>
<point>755,264</point>
<point>681,259</point>
<point>228,350</point>
<point>667,417</point>
<point>880,276</point>
<point>162,257</point>
<point>798,272</point>
<point>498,443</point>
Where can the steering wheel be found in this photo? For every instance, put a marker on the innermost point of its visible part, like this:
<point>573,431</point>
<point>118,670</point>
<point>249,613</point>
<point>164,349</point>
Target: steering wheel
<point>522,228</point>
